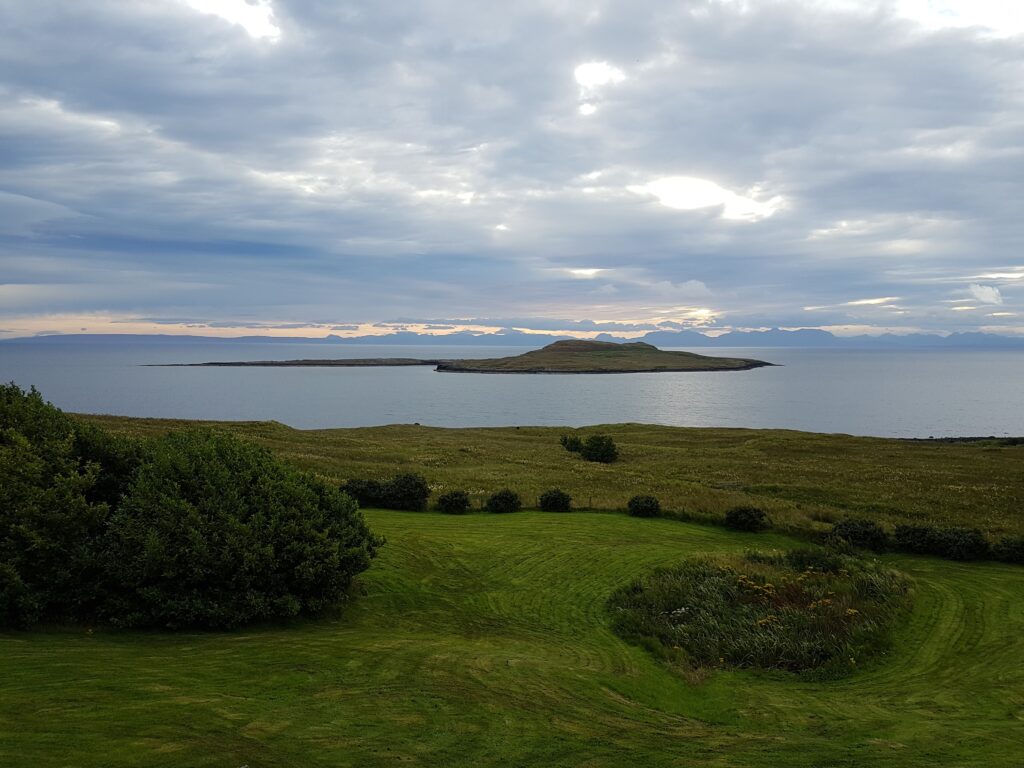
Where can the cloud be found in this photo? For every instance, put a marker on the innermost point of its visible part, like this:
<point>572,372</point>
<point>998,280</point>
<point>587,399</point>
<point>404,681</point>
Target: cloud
<point>254,16</point>
<point>596,74</point>
<point>871,302</point>
<point>241,162</point>
<point>686,193</point>
<point>986,294</point>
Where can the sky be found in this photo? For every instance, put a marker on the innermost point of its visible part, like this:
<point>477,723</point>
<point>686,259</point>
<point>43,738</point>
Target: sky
<point>307,167</point>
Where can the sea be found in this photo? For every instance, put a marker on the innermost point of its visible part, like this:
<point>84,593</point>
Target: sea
<point>892,393</point>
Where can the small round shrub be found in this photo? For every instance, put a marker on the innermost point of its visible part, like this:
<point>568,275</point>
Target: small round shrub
<point>866,534</point>
<point>504,501</point>
<point>571,443</point>
<point>555,500</point>
<point>644,506</point>
<point>408,491</point>
<point>1009,549</point>
<point>368,493</point>
<point>746,519</point>
<point>599,448</point>
<point>453,503</point>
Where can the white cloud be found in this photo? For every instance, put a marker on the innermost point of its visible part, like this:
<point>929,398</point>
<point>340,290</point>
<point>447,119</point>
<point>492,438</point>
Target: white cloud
<point>255,16</point>
<point>986,294</point>
<point>687,193</point>
<point>1000,17</point>
<point>871,302</point>
<point>595,74</point>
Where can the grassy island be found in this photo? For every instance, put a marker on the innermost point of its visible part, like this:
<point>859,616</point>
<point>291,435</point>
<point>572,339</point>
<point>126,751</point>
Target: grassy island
<point>578,356</point>
<point>568,356</point>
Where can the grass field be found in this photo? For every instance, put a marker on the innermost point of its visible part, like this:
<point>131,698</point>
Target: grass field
<point>483,640</point>
<point>803,480</point>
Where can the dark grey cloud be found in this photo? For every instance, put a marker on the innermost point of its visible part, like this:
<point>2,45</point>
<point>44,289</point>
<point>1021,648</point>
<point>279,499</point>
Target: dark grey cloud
<point>433,158</point>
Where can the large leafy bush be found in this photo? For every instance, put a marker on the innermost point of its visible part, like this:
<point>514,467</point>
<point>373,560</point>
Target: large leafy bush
<point>817,612</point>
<point>195,529</point>
<point>58,480</point>
<point>217,533</point>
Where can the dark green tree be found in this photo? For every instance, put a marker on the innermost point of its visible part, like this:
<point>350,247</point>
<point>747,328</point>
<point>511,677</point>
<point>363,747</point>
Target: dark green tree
<point>216,533</point>
<point>599,448</point>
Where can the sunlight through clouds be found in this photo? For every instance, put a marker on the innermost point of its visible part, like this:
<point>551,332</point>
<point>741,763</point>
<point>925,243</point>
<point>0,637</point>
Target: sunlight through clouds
<point>595,74</point>
<point>592,77</point>
<point>687,193</point>
<point>256,18</point>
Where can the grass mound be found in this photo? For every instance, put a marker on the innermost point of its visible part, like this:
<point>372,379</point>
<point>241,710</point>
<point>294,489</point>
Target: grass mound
<point>808,610</point>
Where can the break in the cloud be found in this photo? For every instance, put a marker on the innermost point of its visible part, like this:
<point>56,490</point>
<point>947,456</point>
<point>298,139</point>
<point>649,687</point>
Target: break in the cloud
<point>308,166</point>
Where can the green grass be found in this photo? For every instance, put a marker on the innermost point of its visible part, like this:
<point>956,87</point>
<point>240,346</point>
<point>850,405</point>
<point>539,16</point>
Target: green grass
<point>483,640</point>
<point>579,356</point>
<point>803,480</point>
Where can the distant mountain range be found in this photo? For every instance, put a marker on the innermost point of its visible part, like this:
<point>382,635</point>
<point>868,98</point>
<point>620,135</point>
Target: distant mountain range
<point>512,338</point>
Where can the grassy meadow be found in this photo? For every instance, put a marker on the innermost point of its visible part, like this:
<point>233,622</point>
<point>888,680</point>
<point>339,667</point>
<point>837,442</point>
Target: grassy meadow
<point>485,640</point>
<point>803,480</point>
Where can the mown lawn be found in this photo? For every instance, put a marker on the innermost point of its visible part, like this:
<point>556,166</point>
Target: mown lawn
<point>803,480</point>
<point>483,640</point>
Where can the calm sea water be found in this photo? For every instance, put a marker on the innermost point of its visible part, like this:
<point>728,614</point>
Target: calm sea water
<point>904,393</point>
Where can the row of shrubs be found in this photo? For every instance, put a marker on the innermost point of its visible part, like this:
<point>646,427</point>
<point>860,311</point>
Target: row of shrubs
<point>743,518</point>
<point>952,542</point>
<point>195,528</point>
<point>411,492</point>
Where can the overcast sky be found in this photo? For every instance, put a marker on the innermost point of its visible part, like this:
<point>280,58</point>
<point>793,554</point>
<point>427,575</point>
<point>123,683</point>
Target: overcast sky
<point>313,166</point>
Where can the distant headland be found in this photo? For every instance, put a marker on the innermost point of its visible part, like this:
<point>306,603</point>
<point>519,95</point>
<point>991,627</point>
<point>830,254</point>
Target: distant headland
<point>568,356</point>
